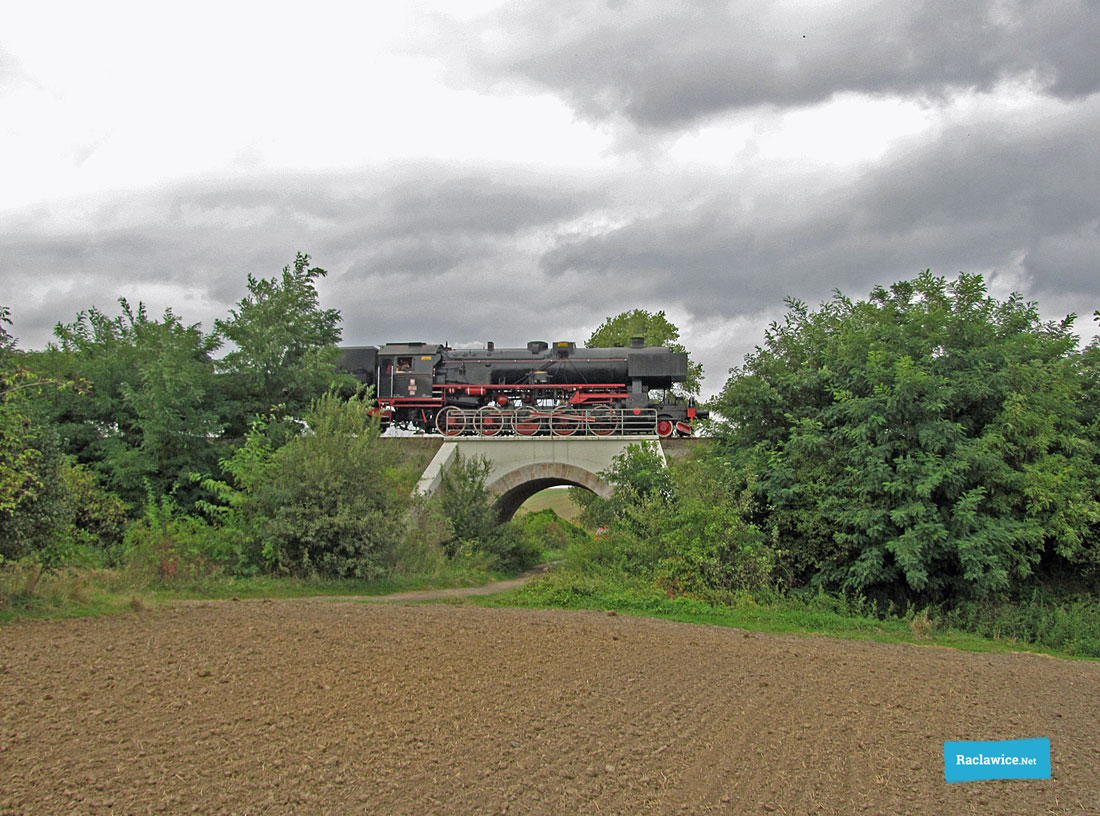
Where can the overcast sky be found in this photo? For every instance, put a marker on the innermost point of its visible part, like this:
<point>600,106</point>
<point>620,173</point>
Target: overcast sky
<point>472,171</point>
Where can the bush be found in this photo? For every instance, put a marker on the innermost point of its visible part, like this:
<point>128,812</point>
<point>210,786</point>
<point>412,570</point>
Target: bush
<point>38,522</point>
<point>681,525</point>
<point>330,502</point>
<point>552,533</point>
<point>464,501</point>
<point>167,546</point>
<point>514,545</point>
<point>1067,622</point>
<point>99,517</point>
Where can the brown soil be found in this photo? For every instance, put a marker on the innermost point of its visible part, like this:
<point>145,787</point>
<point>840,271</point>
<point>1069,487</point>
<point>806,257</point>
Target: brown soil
<point>324,707</point>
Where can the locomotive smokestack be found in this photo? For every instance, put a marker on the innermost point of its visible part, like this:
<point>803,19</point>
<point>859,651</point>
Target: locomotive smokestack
<point>489,346</point>
<point>637,342</point>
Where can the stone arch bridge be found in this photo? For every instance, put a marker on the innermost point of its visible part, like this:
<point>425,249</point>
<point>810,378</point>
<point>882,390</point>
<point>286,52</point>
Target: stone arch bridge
<point>519,468</point>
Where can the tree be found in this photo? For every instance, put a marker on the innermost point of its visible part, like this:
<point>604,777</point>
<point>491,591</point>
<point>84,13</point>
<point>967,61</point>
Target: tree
<point>655,328</point>
<point>18,453</point>
<point>148,412</point>
<point>33,503</point>
<point>285,345</point>
<point>930,443</point>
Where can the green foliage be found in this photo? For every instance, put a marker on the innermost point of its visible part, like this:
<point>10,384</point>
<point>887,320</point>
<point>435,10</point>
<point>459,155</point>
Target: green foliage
<point>152,404</point>
<point>928,443</point>
<point>1069,623</point>
<point>285,346</point>
<point>762,611</point>
<point>551,532</point>
<point>532,538</point>
<point>38,519</point>
<point>34,506</point>
<point>73,521</point>
<point>50,510</point>
<point>425,550</point>
<point>463,499</point>
<point>169,547</point>
<point>573,589</point>
<point>707,544</point>
<point>149,406</point>
<point>511,546</point>
<point>639,476</point>
<point>150,410</point>
<point>99,517</point>
<point>682,525</point>
<point>18,454</point>
<point>657,330</point>
<point>329,502</point>
<point>21,457</point>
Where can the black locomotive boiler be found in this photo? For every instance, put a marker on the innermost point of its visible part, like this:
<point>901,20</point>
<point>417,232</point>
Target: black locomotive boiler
<point>544,389</point>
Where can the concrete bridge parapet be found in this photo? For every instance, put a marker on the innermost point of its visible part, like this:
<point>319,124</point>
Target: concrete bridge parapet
<point>519,468</point>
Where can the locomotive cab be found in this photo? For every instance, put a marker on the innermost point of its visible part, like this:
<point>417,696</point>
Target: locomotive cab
<point>406,372</point>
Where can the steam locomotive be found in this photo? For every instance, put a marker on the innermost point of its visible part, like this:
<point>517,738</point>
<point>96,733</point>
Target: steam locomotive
<point>545,389</point>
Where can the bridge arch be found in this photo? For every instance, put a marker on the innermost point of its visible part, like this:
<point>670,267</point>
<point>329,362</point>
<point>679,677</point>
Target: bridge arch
<point>520,467</point>
<point>517,486</point>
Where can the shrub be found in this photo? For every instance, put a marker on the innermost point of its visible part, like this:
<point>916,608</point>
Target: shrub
<point>465,502</point>
<point>39,523</point>
<point>682,525</point>
<point>329,502</point>
<point>99,517</point>
<point>550,531</point>
<point>168,546</point>
<point>1069,622</point>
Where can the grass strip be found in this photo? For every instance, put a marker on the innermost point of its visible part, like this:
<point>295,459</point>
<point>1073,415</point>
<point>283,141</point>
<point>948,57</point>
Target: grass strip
<point>30,592</point>
<point>809,615</point>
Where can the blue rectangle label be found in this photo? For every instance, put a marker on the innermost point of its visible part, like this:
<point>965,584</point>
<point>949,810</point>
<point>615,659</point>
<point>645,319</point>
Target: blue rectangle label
<point>1003,759</point>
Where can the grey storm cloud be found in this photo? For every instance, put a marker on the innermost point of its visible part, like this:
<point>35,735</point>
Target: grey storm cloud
<point>437,253</point>
<point>665,64</point>
<point>966,202</point>
<point>398,243</point>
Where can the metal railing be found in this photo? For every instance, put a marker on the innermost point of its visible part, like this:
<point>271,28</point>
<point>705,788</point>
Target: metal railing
<point>490,422</point>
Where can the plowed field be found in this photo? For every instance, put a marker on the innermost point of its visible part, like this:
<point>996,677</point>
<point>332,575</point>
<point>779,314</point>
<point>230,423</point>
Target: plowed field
<point>325,707</point>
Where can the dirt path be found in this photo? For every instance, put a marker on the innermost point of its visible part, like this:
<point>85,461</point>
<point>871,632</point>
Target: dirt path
<point>416,595</point>
<point>315,707</point>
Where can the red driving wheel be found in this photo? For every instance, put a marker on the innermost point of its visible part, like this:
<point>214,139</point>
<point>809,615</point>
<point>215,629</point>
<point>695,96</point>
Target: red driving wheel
<point>450,421</point>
